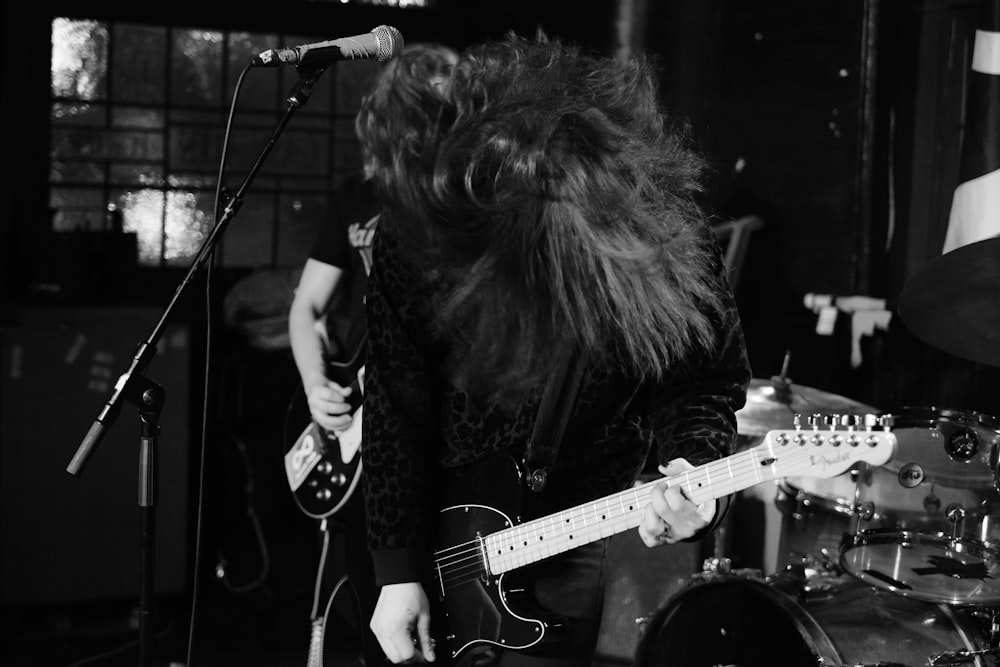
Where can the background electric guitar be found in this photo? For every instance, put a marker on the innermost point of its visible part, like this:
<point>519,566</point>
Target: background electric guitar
<point>322,469</point>
<point>475,573</point>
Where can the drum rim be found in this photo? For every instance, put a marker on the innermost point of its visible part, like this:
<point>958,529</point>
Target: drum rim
<point>813,635</point>
<point>885,536</point>
<point>882,535</point>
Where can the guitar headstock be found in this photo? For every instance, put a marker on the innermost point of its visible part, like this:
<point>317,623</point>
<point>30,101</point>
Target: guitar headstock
<point>829,445</point>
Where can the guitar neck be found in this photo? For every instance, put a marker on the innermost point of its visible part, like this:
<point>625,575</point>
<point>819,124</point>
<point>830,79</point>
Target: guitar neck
<point>780,455</point>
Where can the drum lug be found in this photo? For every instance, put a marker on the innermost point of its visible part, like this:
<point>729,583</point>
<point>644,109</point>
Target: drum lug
<point>956,515</point>
<point>716,565</point>
<point>865,510</point>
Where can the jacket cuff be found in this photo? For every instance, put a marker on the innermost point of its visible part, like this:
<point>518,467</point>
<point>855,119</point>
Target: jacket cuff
<point>721,509</point>
<point>397,566</point>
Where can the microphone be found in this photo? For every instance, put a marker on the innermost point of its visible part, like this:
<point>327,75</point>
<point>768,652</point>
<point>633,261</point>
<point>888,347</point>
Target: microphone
<point>384,43</point>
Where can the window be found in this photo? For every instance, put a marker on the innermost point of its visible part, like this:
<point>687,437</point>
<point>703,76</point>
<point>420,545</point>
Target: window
<point>137,120</point>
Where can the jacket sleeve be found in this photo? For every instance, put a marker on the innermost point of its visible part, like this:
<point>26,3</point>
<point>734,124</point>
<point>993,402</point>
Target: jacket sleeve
<point>693,410</point>
<point>399,421</point>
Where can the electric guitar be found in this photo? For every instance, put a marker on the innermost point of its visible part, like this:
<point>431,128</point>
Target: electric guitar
<point>322,469</point>
<point>475,574</point>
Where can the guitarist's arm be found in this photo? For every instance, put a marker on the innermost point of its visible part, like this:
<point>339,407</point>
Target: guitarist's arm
<point>401,427</point>
<point>327,400</point>
<point>693,411</point>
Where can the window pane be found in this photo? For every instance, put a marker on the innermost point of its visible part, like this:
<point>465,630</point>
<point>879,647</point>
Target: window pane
<point>101,145</point>
<point>154,146</point>
<point>76,172</point>
<point>142,213</point>
<point>138,70</point>
<point>301,153</point>
<point>182,181</point>
<point>195,148</point>
<point>249,239</point>
<point>134,117</point>
<point>77,209</point>
<point>79,113</point>
<point>196,68</point>
<point>79,59</point>
<point>189,220</point>
<point>132,175</point>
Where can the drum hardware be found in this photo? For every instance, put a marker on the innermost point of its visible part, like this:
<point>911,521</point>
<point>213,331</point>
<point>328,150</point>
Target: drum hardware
<point>960,656</point>
<point>924,525</point>
<point>865,511</point>
<point>968,656</point>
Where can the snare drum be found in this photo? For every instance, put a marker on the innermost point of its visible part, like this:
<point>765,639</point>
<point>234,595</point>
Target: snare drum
<point>732,620</point>
<point>927,524</point>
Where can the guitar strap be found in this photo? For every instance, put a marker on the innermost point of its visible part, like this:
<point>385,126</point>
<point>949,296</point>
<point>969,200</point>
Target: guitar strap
<point>558,398</point>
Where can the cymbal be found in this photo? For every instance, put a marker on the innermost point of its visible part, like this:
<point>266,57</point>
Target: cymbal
<point>953,303</point>
<point>773,404</point>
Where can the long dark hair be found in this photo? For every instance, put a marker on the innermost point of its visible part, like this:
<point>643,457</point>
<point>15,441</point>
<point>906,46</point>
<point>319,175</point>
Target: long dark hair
<point>403,103</point>
<point>555,207</point>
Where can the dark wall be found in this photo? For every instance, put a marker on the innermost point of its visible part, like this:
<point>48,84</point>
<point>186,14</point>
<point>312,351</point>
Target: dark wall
<point>783,101</point>
<point>839,124</point>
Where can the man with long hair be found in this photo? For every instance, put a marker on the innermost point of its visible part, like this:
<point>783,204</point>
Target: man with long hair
<point>543,212</point>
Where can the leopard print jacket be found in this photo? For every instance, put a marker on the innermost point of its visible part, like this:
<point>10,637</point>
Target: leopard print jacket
<point>414,424</point>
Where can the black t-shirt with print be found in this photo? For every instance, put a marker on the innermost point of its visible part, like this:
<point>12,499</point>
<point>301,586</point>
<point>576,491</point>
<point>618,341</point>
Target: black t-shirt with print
<point>346,242</point>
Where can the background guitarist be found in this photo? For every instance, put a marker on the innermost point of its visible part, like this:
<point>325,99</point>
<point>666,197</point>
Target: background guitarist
<point>546,206</point>
<point>327,315</point>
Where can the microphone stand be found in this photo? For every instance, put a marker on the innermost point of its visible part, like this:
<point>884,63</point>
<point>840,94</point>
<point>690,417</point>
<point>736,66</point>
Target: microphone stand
<point>133,387</point>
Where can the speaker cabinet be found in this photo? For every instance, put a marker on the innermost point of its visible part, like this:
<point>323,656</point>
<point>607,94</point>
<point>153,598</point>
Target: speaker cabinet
<point>76,538</point>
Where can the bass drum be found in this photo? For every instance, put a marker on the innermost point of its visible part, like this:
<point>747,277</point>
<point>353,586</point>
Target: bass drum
<point>733,621</point>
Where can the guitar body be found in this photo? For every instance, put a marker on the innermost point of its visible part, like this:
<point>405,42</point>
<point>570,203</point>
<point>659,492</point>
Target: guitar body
<point>323,470</point>
<point>481,609</point>
<point>327,481</point>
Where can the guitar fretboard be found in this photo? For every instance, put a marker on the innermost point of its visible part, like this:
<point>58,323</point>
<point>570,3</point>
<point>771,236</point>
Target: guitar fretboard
<point>781,455</point>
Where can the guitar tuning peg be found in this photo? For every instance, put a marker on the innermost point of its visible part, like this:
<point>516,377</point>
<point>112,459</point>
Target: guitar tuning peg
<point>887,422</point>
<point>848,421</point>
<point>831,420</point>
<point>814,420</point>
<point>870,421</point>
<point>797,421</point>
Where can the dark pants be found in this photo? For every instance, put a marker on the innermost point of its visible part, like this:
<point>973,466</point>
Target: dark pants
<point>571,585</point>
<point>361,590</point>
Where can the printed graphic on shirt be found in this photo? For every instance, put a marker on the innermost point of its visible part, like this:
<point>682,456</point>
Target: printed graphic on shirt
<point>361,237</point>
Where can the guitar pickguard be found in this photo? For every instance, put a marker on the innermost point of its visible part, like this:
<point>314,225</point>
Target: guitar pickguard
<point>482,609</point>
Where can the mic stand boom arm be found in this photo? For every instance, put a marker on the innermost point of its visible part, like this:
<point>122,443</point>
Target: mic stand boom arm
<point>149,397</point>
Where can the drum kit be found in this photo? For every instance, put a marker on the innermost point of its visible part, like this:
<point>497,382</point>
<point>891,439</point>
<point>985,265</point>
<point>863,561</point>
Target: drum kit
<point>887,565</point>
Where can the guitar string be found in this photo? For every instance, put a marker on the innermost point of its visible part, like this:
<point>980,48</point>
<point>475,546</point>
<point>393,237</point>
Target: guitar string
<point>745,468</point>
